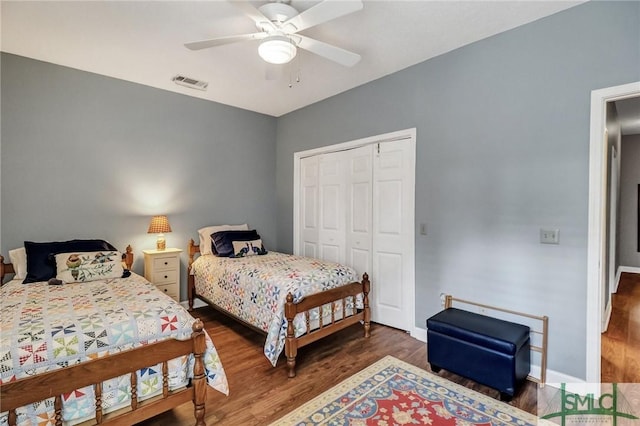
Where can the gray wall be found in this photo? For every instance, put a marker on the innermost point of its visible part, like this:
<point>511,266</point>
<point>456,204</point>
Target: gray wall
<point>502,150</point>
<point>90,156</point>
<point>629,181</point>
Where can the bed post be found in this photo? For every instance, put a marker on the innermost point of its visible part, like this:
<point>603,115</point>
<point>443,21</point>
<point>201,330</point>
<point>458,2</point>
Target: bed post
<point>5,268</point>
<point>290,344</point>
<point>199,378</point>
<point>190,278</point>
<point>366,287</point>
<point>128,257</point>
<point>1,269</point>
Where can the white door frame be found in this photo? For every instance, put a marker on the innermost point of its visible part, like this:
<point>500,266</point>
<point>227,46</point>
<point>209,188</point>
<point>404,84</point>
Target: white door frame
<point>397,135</point>
<point>597,219</point>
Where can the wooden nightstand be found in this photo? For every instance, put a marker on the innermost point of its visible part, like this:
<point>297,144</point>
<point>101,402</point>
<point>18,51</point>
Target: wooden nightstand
<point>162,268</point>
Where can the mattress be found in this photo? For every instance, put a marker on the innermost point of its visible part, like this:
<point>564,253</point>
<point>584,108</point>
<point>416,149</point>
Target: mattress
<point>254,289</point>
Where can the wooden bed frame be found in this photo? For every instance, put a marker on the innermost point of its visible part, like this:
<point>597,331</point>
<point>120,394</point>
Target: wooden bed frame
<point>291,309</point>
<point>92,373</point>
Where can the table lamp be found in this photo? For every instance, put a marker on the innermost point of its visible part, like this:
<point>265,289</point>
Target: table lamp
<point>159,225</point>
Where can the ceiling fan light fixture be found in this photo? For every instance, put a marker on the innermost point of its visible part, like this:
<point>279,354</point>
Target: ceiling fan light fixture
<point>277,49</point>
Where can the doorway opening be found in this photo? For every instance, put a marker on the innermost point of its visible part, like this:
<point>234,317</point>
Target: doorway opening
<point>598,241</point>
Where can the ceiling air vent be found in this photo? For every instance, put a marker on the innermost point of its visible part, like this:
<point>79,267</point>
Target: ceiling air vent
<point>190,82</point>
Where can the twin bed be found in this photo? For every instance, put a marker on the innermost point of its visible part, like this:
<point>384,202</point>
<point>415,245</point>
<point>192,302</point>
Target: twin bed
<point>293,300</point>
<point>115,350</point>
<point>108,350</point>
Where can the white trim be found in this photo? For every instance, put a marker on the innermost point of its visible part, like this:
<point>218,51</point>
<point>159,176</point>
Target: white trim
<point>597,201</point>
<point>554,378</point>
<point>629,269</point>
<point>621,269</point>
<point>419,334</point>
<point>607,316</point>
<point>197,303</point>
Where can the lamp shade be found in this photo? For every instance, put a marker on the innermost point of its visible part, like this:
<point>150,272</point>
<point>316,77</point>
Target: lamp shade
<point>159,225</point>
<point>277,49</point>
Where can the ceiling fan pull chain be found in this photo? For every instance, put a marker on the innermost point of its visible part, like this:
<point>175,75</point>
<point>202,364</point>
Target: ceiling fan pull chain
<point>290,84</point>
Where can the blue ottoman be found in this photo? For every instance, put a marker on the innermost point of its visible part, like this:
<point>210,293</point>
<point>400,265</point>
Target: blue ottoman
<point>490,351</point>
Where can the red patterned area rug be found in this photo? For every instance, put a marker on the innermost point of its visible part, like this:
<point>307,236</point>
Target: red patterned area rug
<point>392,392</point>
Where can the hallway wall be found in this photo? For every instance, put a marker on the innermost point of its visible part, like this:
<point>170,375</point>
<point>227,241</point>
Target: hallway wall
<point>629,181</point>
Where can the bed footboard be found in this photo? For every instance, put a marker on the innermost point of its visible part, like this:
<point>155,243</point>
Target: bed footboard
<point>336,322</point>
<point>92,373</point>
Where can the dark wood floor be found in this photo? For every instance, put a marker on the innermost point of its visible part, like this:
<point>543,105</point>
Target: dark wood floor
<point>621,341</point>
<point>260,393</point>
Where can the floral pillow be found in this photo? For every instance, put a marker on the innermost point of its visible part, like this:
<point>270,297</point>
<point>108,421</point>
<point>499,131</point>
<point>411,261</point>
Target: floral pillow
<point>248,248</point>
<point>88,266</point>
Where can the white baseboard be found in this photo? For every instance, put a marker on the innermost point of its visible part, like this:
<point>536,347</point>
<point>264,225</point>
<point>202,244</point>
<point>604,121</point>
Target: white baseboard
<point>419,334</point>
<point>607,316</point>
<point>554,378</point>
<point>621,269</point>
<point>197,303</point>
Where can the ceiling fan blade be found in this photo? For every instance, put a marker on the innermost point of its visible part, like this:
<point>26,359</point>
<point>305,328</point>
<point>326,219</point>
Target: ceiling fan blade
<point>204,44</point>
<point>252,12</point>
<point>333,53</point>
<point>320,13</point>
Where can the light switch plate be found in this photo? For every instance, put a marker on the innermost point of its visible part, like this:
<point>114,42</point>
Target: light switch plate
<point>549,236</point>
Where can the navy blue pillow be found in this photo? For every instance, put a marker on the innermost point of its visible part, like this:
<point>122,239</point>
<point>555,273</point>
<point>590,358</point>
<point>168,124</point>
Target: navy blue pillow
<point>222,242</point>
<point>40,265</point>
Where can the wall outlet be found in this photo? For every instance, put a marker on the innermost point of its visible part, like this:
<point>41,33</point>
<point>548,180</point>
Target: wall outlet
<point>549,236</point>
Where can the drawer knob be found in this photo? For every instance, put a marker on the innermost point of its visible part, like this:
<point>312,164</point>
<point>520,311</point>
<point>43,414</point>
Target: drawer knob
<point>166,263</point>
<point>165,290</point>
<point>166,276</point>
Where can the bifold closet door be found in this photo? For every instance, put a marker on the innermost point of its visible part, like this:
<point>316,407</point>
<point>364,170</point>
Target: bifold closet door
<point>392,234</point>
<point>357,208</point>
<point>322,206</point>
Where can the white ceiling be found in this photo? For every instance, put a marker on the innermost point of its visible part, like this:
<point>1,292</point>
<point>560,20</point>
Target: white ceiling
<point>142,42</point>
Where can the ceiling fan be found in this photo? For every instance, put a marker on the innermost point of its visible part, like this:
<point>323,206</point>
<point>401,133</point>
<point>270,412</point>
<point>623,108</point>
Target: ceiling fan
<point>279,24</point>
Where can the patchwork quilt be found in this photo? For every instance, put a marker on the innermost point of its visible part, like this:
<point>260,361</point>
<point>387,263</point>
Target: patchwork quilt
<point>255,288</point>
<point>46,327</point>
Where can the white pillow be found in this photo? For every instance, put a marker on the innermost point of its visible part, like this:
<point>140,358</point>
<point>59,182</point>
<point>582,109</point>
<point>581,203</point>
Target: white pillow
<point>88,266</point>
<point>18,258</point>
<point>205,235</point>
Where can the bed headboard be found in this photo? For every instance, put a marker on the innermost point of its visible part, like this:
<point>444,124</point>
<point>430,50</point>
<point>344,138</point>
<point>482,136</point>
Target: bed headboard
<point>193,249</point>
<point>127,257</point>
<point>5,268</point>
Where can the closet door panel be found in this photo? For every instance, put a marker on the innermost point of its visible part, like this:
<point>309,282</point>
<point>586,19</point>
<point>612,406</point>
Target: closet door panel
<point>332,205</point>
<point>389,270</point>
<point>308,218</point>
<point>359,176</point>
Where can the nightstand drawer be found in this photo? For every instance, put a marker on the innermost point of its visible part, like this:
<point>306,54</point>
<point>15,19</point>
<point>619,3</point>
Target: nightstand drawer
<point>165,277</point>
<point>169,262</point>
<point>170,290</point>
